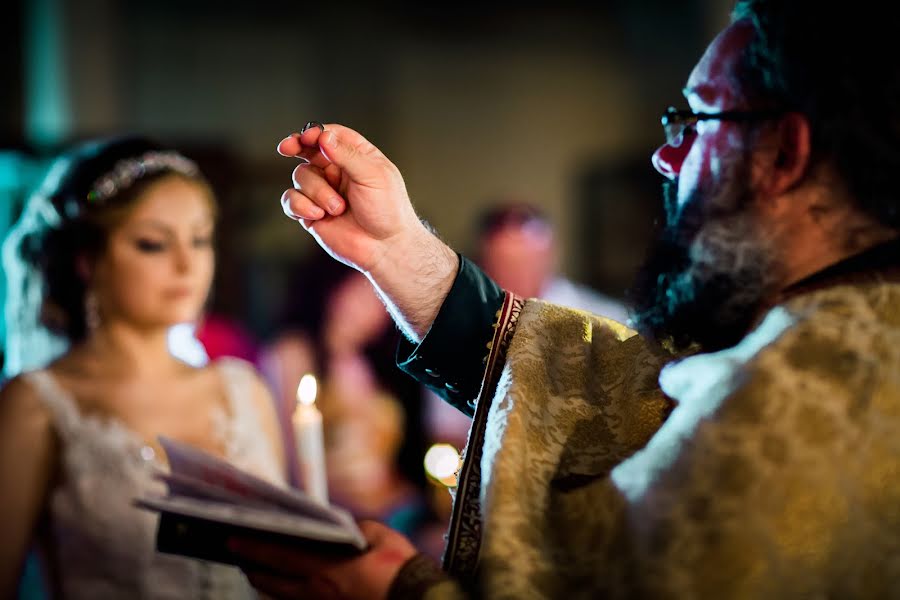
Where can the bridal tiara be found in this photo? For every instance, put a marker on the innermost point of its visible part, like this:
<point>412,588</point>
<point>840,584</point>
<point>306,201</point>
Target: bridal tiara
<point>129,170</point>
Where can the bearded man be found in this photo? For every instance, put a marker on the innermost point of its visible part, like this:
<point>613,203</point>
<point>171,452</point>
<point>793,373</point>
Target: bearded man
<point>743,439</point>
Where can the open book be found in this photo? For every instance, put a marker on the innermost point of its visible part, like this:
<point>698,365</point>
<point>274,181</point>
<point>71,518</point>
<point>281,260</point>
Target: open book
<point>210,500</point>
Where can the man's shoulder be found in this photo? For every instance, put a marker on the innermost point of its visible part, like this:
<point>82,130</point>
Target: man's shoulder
<point>855,318</point>
<point>569,293</point>
<point>844,337</point>
<point>836,341</point>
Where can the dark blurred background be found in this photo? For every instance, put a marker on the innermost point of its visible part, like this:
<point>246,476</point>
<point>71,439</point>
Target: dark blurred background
<point>554,103</point>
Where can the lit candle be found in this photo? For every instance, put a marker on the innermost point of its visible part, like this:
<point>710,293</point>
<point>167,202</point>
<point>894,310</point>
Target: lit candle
<point>310,446</point>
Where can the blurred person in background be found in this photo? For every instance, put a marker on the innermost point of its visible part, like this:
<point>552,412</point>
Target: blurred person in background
<point>517,247</point>
<point>112,251</point>
<point>222,336</point>
<point>336,328</point>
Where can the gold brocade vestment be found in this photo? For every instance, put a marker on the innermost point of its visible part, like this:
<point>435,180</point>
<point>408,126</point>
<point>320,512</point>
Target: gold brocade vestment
<point>768,470</point>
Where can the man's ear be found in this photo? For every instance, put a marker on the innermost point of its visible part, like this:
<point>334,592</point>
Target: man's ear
<point>792,154</point>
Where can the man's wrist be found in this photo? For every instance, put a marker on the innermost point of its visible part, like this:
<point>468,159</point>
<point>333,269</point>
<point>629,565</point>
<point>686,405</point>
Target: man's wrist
<point>413,277</point>
<point>450,358</point>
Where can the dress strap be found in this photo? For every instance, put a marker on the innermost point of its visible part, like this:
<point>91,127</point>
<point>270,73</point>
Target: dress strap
<point>58,401</point>
<point>245,441</point>
<point>238,379</point>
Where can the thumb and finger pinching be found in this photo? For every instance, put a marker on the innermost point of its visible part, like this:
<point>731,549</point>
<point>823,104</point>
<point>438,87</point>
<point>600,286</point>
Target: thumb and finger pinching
<point>309,135</point>
<point>339,146</point>
<point>289,146</point>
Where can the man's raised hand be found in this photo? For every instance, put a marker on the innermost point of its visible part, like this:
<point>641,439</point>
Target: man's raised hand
<point>348,195</point>
<point>353,201</point>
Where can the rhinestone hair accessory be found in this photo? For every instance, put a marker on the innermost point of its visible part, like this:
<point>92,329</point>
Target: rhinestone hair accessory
<point>129,170</point>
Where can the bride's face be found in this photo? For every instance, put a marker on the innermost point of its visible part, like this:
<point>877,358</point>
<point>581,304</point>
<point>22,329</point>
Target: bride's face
<point>158,265</point>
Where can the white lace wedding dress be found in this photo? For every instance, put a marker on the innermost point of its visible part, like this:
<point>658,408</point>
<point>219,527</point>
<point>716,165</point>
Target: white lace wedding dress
<point>103,547</point>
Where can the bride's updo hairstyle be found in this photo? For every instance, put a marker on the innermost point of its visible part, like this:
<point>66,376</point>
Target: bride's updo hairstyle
<point>86,194</point>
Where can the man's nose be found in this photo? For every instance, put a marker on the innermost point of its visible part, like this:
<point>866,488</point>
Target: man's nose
<point>668,159</point>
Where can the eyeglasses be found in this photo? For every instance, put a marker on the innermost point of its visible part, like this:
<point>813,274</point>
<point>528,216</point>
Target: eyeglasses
<point>678,123</point>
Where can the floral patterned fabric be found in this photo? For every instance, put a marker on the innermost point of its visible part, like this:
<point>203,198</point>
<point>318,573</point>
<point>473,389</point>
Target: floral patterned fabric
<point>771,469</point>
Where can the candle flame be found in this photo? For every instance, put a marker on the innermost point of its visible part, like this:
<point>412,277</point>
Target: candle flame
<point>306,391</point>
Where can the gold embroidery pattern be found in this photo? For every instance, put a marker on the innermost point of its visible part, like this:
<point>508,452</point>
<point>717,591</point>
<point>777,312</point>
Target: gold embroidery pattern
<point>777,474</point>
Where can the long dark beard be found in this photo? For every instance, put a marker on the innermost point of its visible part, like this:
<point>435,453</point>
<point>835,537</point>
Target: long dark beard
<point>707,275</point>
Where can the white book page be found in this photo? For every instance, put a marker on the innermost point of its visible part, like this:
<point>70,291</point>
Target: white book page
<point>188,487</point>
<point>189,463</point>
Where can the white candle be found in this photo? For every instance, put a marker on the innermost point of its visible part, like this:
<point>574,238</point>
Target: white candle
<point>310,445</point>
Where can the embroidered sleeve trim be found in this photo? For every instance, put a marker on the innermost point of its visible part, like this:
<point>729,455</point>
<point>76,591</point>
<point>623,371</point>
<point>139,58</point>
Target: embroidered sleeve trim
<point>464,534</point>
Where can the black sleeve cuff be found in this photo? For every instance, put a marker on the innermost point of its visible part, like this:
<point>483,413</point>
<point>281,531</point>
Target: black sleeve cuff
<point>450,358</point>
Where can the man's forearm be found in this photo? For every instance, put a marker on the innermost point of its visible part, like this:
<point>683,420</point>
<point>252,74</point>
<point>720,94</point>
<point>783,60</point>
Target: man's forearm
<point>413,278</point>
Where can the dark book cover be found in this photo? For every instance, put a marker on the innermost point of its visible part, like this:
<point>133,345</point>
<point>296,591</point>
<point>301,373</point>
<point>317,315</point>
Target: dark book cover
<point>208,540</point>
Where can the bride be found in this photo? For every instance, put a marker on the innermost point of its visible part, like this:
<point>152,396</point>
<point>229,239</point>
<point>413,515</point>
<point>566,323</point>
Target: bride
<point>115,249</point>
